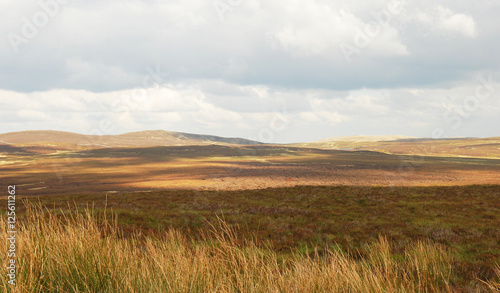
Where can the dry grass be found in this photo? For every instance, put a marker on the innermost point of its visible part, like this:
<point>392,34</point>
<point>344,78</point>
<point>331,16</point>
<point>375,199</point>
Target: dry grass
<point>72,252</point>
<point>493,285</point>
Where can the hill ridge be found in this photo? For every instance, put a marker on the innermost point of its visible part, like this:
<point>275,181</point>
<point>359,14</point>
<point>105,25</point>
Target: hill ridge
<point>129,139</point>
<point>364,138</point>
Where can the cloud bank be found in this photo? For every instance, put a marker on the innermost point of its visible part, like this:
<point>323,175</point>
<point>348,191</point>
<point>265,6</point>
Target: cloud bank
<point>228,67</point>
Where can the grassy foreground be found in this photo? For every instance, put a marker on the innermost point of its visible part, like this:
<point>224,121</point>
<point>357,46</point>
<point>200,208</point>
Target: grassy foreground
<point>465,219</point>
<point>72,252</point>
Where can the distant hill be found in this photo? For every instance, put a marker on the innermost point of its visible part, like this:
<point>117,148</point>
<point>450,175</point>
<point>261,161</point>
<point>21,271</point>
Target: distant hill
<point>49,138</point>
<point>398,144</point>
<point>353,142</point>
<point>49,142</point>
<point>365,138</point>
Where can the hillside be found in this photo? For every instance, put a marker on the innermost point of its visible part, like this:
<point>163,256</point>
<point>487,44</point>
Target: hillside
<point>447,147</point>
<point>69,140</point>
<point>364,138</point>
<point>46,142</point>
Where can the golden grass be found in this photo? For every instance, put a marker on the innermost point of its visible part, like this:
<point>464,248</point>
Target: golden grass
<point>70,252</point>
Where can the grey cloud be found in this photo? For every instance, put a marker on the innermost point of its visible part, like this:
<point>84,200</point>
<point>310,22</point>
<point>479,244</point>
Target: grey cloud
<point>106,45</point>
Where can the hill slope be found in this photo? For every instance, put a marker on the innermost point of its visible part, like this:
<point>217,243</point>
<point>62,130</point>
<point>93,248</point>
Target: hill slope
<point>150,138</point>
<point>364,138</point>
<point>449,147</point>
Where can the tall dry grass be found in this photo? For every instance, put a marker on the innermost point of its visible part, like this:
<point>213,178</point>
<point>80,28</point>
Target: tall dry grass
<point>73,252</point>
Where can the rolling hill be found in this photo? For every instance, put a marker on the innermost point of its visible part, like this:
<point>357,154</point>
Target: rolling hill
<point>151,138</point>
<point>446,147</point>
<point>45,142</point>
<point>364,138</point>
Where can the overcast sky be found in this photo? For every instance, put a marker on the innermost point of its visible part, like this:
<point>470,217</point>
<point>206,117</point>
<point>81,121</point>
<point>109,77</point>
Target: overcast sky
<point>274,71</point>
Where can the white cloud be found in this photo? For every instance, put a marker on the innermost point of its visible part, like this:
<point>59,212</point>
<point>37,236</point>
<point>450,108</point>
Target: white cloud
<point>309,117</point>
<point>194,108</point>
<point>319,28</point>
<point>210,113</point>
<point>458,22</point>
<point>332,117</point>
<point>443,19</point>
<point>32,115</point>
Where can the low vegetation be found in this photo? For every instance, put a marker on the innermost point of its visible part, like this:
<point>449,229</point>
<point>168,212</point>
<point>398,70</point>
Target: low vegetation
<point>53,170</point>
<point>87,251</point>
<point>463,218</point>
<point>76,253</point>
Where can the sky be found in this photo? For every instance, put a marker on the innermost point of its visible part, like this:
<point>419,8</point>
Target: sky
<point>273,71</point>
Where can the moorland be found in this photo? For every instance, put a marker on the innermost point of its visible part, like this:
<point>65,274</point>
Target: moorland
<point>298,204</point>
